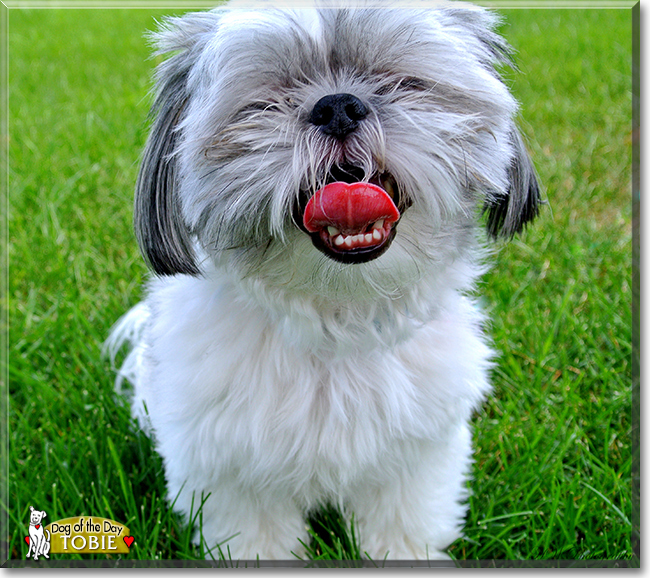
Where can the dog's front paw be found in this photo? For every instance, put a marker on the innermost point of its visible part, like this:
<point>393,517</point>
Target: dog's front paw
<point>249,532</point>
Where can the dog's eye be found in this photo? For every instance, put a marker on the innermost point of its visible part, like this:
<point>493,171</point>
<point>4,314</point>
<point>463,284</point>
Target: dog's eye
<point>408,83</point>
<point>259,106</point>
<point>417,84</point>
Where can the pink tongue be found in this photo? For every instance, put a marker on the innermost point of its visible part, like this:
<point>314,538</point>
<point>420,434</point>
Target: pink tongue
<point>349,207</point>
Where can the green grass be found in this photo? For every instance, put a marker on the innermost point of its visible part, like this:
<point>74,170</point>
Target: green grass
<point>552,477</point>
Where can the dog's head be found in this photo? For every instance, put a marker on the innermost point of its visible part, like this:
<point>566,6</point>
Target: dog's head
<point>36,516</point>
<point>356,144</point>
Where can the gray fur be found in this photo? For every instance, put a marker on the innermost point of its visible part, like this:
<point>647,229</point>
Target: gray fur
<point>162,233</point>
<point>231,147</point>
<point>508,214</point>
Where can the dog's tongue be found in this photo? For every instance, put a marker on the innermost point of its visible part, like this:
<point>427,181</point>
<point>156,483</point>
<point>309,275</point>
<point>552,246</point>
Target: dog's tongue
<point>349,207</point>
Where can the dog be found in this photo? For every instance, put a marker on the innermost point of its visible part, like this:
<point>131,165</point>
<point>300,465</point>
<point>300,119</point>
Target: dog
<point>39,543</point>
<point>316,200</point>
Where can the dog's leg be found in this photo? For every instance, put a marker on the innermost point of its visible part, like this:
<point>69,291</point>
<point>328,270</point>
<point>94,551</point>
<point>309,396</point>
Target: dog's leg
<point>37,545</point>
<point>244,525</point>
<point>46,548</point>
<point>44,545</point>
<point>420,512</point>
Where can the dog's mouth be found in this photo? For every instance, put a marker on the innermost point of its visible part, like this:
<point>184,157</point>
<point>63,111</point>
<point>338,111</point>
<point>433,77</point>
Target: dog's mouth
<point>352,220</point>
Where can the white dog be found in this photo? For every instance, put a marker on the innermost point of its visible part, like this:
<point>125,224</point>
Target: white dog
<point>39,542</point>
<point>308,200</point>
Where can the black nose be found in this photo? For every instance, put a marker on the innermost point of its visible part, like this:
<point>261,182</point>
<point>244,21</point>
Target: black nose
<point>338,114</point>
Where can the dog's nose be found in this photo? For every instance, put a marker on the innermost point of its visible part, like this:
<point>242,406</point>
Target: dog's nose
<point>338,114</point>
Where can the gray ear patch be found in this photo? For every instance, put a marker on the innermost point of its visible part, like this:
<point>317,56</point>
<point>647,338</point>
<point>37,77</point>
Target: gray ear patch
<point>507,214</point>
<point>162,234</point>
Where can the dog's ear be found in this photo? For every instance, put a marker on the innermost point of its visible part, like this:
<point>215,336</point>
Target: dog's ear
<point>478,23</point>
<point>162,233</point>
<point>507,213</point>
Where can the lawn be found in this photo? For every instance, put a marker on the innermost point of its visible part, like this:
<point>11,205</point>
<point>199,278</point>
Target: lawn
<point>554,458</point>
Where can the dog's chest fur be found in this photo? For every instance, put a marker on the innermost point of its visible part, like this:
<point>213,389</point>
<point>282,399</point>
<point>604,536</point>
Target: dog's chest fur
<point>220,368</point>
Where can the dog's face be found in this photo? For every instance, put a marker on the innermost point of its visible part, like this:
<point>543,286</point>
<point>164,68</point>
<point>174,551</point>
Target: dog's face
<point>36,516</point>
<point>330,150</point>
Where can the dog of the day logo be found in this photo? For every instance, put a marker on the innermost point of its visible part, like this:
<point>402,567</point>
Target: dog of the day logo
<point>79,535</point>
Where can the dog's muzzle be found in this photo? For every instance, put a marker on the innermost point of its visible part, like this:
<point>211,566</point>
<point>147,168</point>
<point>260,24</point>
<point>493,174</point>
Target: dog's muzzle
<point>351,219</point>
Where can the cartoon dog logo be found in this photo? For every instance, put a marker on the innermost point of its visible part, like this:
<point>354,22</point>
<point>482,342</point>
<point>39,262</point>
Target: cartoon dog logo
<point>39,544</point>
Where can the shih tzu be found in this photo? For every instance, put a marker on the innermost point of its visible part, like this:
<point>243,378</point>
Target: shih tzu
<point>313,200</point>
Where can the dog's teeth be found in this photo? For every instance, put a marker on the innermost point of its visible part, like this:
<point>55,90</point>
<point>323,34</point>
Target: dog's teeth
<point>333,231</point>
<point>379,224</point>
<point>358,240</point>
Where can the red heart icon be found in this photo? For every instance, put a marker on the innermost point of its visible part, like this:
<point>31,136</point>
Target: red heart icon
<point>38,526</point>
<point>27,540</point>
<point>128,540</point>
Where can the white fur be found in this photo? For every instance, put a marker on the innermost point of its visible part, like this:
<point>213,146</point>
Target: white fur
<point>277,380</point>
<point>273,426</point>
